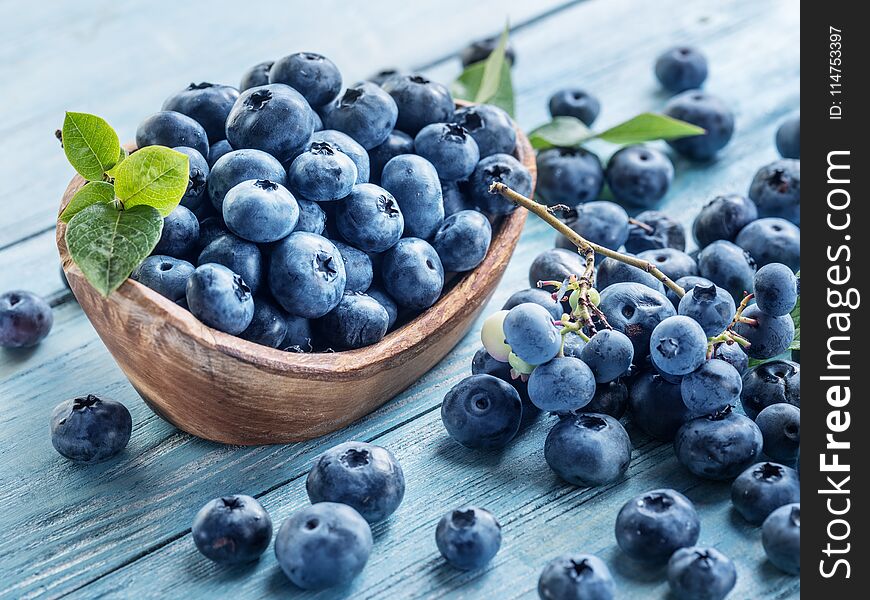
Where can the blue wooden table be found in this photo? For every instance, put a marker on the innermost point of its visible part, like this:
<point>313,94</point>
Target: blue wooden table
<point>122,529</point>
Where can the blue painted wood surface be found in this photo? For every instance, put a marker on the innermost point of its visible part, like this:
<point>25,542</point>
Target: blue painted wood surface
<point>121,530</point>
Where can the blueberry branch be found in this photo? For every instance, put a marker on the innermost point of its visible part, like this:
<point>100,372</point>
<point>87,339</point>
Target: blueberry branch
<point>585,247</point>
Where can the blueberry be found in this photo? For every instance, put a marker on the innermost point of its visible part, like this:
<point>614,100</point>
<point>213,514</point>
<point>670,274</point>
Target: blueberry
<point>197,178</point>
<point>678,345</point>
<point>454,198</point>
<point>639,175</point>
<point>768,335</point>
<point>208,104</point>
<point>722,218</point>
<point>172,129</point>
<point>484,364</point>
<point>482,411</point>
<point>323,545</point>
<point>611,271</point>
<point>311,217</point>
<point>775,289</point>
<point>468,537</point>
<point>386,73</point>
<point>556,264</point>
<point>728,266</point>
<point>365,112</point>
<point>322,173</point>
<point>238,255</point>
<point>220,298</point>
<point>25,319</point>
<point>711,306</point>
<point>366,477</point>
<point>608,354</point>
<point>312,75</point>
<point>450,148</point>
<point>687,283</point>
<point>397,143</point>
<point>575,102</point>
<point>588,449</point>
<point>165,275</point>
<point>480,50</point>
<point>90,429</point>
<point>232,529</point>
<point>358,267</point>
<point>268,326</point>
<point>346,144</point>
<point>762,488</point>
<point>718,446</point>
<point>772,240</point>
<point>600,222</point>
<point>237,166</point>
<point>498,168</point>
<point>260,210</point>
<point>420,102</point>
<point>387,302</point>
<point>561,384</point>
<point>658,230</point>
<point>652,526</point>
<point>307,275</point>
<point>256,76</point>
<point>610,398</point>
<point>657,406</point>
<point>274,118</point>
<point>413,274</point>
<point>576,577</point>
<point>788,137</point>
<point>299,336</point>
<point>670,261</point>
<point>463,240</point>
<point>572,345</point>
<point>180,234</point>
<point>569,176</point>
<point>215,151</point>
<point>711,387</point>
<point>413,182</point>
<point>532,336</point>
<point>681,68</point>
<point>358,321</point>
<point>700,573</point>
<point>370,218</point>
<point>781,538</point>
<point>708,112</point>
<point>635,310</point>
<point>780,426</point>
<point>776,190</point>
<point>770,383</point>
<point>733,354</point>
<point>536,296</point>
<point>490,126</point>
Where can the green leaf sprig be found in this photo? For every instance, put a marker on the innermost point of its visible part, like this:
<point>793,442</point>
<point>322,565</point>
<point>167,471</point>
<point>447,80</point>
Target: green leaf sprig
<point>570,132</point>
<point>115,220</point>
<point>488,81</point>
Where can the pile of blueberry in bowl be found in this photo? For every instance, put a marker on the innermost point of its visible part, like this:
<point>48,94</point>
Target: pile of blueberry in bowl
<point>320,219</point>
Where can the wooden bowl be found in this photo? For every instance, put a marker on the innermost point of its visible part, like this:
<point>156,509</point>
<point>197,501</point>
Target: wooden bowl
<point>226,389</point>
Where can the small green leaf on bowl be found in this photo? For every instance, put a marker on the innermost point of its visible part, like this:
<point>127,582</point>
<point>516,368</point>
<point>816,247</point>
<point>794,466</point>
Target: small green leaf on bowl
<point>153,176</point>
<point>90,144</point>
<point>647,127</point>
<point>562,132</point>
<point>114,170</point>
<point>488,81</point>
<point>94,192</point>
<point>107,243</point>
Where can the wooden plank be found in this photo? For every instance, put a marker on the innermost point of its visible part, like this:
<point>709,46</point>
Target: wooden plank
<point>121,60</point>
<point>73,530</point>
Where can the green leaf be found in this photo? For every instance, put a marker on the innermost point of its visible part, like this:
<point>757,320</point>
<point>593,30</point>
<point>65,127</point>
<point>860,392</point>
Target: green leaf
<point>796,317</point>
<point>488,81</point>
<point>647,127</point>
<point>154,176</point>
<point>90,144</point>
<point>94,192</point>
<point>114,170</point>
<point>563,132</point>
<point>107,243</point>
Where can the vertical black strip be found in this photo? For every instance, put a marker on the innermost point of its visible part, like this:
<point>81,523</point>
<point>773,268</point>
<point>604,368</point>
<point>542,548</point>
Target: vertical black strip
<point>835,460</point>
